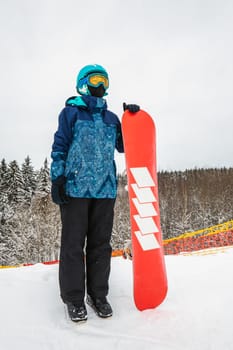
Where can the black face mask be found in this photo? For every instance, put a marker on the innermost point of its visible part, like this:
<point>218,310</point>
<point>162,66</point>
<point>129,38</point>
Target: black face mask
<point>97,91</point>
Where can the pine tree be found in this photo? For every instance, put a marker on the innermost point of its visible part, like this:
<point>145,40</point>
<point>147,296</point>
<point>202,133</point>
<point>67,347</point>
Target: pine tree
<point>11,185</point>
<point>3,175</point>
<point>15,183</point>
<point>43,181</point>
<point>3,191</point>
<point>29,179</point>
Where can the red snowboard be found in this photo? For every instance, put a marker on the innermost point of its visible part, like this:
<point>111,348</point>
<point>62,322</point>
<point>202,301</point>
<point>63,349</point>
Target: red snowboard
<point>150,280</point>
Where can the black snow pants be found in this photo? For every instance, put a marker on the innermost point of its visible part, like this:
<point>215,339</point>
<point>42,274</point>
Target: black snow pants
<point>86,223</point>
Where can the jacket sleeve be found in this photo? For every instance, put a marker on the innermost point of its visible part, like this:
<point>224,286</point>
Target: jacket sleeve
<point>62,141</point>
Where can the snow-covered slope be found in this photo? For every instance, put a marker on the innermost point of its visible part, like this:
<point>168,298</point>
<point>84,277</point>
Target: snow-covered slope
<point>196,315</point>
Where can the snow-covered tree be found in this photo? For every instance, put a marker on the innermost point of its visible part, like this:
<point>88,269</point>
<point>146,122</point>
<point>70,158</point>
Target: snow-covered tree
<point>15,184</point>
<point>3,192</point>
<point>3,175</point>
<point>43,181</point>
<point>29,179</point>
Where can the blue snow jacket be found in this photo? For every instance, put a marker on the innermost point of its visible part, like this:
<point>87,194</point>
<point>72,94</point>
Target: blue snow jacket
<point>83,148</point>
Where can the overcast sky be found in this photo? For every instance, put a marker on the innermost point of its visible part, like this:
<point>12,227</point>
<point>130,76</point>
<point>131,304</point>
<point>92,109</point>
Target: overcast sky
<point>172,57</point>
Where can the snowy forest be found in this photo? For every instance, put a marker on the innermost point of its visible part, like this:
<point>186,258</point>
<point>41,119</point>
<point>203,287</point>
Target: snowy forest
<point>30,223</point>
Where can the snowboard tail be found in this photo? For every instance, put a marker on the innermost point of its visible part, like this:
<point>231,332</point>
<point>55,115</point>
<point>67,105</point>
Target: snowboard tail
<point>150,280</point>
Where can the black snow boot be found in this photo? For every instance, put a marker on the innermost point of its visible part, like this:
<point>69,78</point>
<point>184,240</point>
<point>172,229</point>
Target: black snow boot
<point>100,305</point>
<point>77,312</point>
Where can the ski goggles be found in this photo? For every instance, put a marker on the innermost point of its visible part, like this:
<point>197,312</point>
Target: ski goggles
<point>97,79</point>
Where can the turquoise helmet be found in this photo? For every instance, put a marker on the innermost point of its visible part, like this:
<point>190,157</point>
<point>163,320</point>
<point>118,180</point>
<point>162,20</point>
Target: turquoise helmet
<point>82,81</point>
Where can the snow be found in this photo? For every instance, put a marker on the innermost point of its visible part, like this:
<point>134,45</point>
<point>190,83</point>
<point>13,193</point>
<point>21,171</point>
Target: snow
<point>197,313</point>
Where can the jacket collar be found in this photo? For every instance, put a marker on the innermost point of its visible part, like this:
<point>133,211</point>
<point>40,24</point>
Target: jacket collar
<point>91,103</point>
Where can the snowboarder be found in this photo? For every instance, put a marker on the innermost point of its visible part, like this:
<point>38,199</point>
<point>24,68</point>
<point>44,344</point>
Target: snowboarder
<point>84,184</point>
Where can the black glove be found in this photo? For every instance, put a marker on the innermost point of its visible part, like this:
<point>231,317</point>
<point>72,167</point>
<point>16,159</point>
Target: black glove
<point>131,108</point>
<point>58,190</point>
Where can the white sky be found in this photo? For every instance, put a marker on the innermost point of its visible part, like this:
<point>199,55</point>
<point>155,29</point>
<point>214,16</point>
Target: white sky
<point>172,57</point>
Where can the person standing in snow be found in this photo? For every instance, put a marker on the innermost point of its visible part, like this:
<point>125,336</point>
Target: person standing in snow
<point>84,185</point>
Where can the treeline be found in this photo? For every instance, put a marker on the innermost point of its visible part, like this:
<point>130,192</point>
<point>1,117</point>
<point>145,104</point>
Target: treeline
<point>30,223</point>
<point>194,199</point>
